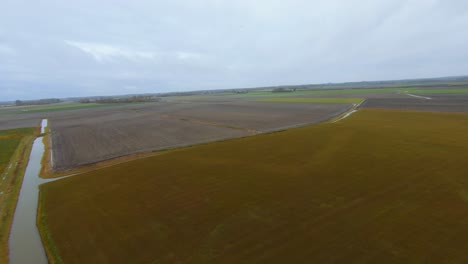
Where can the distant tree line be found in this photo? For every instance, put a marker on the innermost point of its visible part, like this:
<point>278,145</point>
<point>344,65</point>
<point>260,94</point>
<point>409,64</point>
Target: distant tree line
<point>283,90</point>
<point>241,91</point>
<point>37,102</point>
<point>130,99</point>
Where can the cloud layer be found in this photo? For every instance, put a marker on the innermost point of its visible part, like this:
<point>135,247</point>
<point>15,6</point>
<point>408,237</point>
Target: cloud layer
<point>77,48</point>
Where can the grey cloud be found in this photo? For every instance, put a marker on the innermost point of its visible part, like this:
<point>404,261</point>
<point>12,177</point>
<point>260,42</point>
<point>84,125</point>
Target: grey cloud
<point>73,48</point>
<point>6,50</point>
<point>103,52</point>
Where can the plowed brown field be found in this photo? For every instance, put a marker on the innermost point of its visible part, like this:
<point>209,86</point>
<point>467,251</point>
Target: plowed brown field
<point>86,137</point>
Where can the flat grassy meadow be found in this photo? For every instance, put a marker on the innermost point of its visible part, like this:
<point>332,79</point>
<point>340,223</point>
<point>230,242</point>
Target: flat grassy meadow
<point>380,186</point>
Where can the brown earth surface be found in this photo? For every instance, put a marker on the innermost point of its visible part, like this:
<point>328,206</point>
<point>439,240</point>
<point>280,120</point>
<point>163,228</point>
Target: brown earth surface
<point>92,135</point>
<point>12,122</point>
<point>262,116</point>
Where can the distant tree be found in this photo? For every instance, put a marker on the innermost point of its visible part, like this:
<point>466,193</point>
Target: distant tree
<point>130,99</point>
<point>281,90</point>
<point>46,101</point>
<point>18,102</point>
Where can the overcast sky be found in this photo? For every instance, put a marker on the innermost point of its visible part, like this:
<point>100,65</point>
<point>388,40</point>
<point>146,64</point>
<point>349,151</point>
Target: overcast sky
<point>102,47</point>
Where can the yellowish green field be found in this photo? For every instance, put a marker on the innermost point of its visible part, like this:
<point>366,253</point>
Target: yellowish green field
<point>15,145</point>
<point>313,100</point>
<point>377,187</point>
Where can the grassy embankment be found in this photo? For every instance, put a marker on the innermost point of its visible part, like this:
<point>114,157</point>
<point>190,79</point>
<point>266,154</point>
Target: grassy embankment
<point>15,146</point>
<point>377,187</point>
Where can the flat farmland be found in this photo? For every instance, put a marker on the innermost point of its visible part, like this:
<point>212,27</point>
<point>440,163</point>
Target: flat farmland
<point>363,94</point>
<point>377,187</point>
<point>346,92</point>
<point>29,116</point>
<point>92,135</point>
<point>94,139</point>
<point>16,121</point>
<point>437,102</point>
<point>261,116</point>
<point>313,100</point>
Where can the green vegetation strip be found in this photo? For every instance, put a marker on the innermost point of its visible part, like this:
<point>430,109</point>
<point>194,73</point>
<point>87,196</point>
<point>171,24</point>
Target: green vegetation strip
<point>313,100</point>
<point>354,91</point>
<point>377,187</point>
<point>15,145</point>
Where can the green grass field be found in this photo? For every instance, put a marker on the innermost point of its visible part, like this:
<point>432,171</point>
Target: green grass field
<point>377,187</point>
<point>313,100</point>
